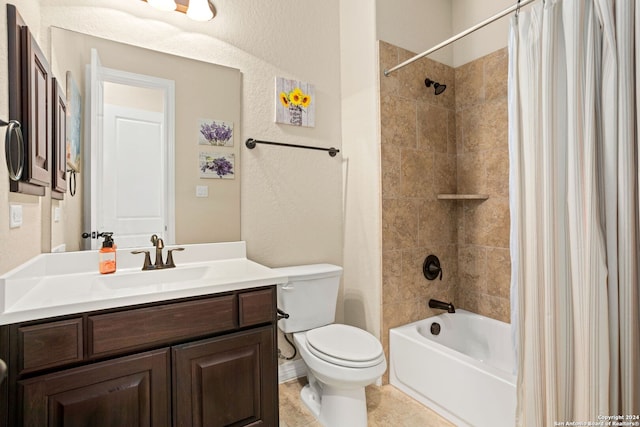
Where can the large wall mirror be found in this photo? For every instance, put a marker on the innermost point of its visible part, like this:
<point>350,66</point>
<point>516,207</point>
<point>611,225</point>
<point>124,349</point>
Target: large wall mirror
<point>156,142</point>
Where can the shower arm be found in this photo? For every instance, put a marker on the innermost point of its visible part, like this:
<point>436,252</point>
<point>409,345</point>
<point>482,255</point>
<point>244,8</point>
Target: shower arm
<point>458,36</point>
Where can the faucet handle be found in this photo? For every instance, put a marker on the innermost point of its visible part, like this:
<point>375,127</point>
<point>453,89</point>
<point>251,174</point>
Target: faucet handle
<point>147,259</point>
<point>170,263</point>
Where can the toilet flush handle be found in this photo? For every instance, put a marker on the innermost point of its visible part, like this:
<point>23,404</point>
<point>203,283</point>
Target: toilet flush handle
<point>282,314</point>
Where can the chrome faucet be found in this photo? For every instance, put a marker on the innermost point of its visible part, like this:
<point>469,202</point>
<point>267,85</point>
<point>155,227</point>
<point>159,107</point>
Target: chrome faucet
<point>159,263</point>
<point>434,303</point>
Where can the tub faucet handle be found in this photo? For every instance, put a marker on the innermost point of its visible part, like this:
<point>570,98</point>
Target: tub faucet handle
<point>431,267</point>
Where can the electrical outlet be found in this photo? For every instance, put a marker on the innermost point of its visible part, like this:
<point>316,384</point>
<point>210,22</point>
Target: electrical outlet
<point>15,216</point>
<point>202,191</point>
<point>56,214</point>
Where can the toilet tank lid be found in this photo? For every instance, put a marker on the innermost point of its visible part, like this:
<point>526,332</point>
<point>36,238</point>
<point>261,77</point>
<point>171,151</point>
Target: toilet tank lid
<point>309,271</point>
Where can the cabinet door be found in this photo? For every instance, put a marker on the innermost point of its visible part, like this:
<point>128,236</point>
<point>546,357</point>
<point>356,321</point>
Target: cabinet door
<point>226,381</point>
<point>131,391</point>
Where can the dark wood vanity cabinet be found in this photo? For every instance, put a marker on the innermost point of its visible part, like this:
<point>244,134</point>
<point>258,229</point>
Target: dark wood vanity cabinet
<point>207,361</point>
<point>129,391</point>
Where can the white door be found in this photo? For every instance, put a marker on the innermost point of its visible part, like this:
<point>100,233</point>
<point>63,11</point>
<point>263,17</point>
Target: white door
<point>131,186</point>
<point>129,157</point>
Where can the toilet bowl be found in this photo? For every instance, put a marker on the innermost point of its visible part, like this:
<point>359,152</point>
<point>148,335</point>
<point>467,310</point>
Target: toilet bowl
<point>341,359</point>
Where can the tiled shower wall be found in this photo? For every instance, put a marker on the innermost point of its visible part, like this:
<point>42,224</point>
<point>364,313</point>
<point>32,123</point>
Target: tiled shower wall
<point>483,167</point>
<point>418,158</point>
<point>455,142</point>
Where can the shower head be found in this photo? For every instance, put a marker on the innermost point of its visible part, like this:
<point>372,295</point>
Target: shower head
<point>438,88</point>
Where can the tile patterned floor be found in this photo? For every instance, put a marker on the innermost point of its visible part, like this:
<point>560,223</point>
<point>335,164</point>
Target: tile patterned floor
<point>386,407</point>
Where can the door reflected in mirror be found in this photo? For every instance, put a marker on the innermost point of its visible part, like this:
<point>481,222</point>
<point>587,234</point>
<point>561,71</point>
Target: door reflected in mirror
<point>140,146</point>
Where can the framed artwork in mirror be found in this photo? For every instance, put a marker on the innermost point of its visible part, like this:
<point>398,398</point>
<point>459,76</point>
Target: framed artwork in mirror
<point>215,132</point>
<point>217,165</point>
<point>74,120</point>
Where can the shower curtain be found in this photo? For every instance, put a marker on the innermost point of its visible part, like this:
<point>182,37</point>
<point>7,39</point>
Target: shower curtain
<point>573,141</point>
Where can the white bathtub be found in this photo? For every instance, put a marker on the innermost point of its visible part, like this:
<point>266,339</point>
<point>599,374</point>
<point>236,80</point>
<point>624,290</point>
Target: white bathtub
<point>465,373</point>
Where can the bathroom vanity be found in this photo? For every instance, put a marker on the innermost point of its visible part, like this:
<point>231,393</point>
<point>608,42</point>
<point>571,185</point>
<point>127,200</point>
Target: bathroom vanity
<point>201,352</point>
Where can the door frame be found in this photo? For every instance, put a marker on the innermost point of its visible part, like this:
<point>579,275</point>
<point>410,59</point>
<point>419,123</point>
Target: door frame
<point>93,132</point>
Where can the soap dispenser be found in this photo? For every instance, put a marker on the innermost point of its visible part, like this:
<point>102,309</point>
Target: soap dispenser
<point>107,254</point>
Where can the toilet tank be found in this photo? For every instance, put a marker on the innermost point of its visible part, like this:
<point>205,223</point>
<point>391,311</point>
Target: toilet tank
<point>309,297</point>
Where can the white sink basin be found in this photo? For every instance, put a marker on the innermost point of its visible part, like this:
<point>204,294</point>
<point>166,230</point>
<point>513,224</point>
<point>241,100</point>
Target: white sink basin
<point>66,283</point>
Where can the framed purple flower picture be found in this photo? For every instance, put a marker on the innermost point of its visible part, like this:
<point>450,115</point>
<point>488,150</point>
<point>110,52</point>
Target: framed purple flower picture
<point>215,132</point>
<point>217,165</point>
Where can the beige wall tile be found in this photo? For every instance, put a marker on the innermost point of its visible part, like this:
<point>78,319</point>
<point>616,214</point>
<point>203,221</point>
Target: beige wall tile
<point>398,116</point>
<point>485,126</point>
<point>444,174</point>
<point>417,173</point>
<point>469,82</point>
<point>438,223</point>
<point>496,163</point>
<point>495,308</point>
<point>487,223</point>
<point>452,133</point>
<point>498,272</point>
<point>472,268</point>
<point>496,75</point>
<point>399,224</point>
<point>471,170</point>
<point>433,128</point>
<point>389,85</point>
<point>390,163</point>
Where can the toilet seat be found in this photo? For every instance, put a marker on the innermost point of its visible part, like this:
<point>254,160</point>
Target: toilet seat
<point>345,345</point>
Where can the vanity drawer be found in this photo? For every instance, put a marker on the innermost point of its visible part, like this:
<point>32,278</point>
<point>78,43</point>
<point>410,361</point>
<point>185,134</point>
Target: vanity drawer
<point>164,324</point>
<point>50,344</point>
<point>256,307</point>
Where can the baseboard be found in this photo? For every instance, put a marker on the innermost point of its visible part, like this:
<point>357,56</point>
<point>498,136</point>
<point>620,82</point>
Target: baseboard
<point>291,370</point>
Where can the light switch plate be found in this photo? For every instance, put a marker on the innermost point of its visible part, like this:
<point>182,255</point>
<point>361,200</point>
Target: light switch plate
<point>56,214</point>
<point>202,191</point>
<point>15,216</point>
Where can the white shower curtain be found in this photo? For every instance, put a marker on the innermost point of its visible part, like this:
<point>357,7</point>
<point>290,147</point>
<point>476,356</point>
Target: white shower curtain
<point>573,106</point>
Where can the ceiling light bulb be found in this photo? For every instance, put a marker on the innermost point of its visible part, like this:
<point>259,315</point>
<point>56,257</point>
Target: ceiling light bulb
<point>199,10</point>
<point>163,4</point>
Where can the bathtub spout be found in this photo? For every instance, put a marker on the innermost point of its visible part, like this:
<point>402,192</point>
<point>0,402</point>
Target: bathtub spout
<point>433,303</point>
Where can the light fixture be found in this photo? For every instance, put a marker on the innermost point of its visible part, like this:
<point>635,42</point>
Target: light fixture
<point>198,10</point>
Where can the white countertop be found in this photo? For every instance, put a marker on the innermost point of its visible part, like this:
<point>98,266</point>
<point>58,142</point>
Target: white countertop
<point>61,284</point>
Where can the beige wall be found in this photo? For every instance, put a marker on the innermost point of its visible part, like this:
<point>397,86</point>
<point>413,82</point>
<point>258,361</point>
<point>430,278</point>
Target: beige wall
<point>465,14</point>
<point>361,165</point>
<point>18,244</point>
<point>291,199</point>
<point>416,25</point>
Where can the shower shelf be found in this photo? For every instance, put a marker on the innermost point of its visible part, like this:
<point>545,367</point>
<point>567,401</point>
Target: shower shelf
<point>463,196</point>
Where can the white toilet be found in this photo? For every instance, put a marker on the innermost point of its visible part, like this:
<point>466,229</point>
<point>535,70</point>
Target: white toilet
<point>341,359</point>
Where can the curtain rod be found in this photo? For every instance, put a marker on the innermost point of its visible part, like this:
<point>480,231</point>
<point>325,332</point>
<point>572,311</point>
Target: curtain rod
<point>465,33</point>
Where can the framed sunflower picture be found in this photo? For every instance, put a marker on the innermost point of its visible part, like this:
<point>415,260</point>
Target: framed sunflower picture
<point>295,102</point>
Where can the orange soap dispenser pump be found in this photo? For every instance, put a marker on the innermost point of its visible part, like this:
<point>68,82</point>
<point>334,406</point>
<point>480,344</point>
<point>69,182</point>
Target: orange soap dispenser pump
<point>107,254</point>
